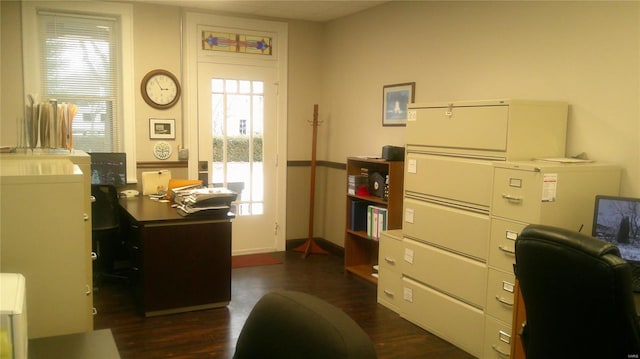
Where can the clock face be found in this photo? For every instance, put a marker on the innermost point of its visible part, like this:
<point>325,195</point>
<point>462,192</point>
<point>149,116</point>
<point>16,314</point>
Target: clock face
<point>162,150</point>
<point>160,89</point>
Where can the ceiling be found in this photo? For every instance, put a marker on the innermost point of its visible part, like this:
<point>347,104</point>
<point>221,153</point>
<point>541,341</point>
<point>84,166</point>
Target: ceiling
<point>310,10</point>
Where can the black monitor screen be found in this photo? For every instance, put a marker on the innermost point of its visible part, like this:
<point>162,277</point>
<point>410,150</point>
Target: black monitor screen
<point>616,220</point>
<point>109,168</point>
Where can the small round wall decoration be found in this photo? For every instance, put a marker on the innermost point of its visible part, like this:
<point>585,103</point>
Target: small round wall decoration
<point>162,150</point>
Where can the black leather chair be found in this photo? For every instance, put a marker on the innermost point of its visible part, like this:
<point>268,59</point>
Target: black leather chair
<point>577,296</point>
<point>286,324</point>
<point>105,228</point>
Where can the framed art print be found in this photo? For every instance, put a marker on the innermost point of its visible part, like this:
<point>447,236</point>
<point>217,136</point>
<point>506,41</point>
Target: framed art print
<point>395,100</point>
<point>162,129</point>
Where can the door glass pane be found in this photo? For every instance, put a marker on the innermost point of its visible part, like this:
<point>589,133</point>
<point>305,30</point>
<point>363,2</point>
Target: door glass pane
<point>237,123</point>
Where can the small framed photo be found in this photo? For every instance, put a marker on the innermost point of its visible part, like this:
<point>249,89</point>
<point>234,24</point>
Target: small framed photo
<point>395,100</point>
<point>162,129</point>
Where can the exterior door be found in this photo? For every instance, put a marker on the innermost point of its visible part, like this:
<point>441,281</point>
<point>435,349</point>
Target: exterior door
<point>237,106</point>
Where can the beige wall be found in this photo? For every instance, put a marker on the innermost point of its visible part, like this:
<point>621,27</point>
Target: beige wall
<point>157,45</point>
<point>586,53</point>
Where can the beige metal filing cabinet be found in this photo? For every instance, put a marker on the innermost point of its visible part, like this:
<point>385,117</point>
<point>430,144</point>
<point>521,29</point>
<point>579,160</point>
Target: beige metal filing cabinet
<point>525,192</point>
<point>46,236</point>
<point>390,270</point>
<point>449,173</point>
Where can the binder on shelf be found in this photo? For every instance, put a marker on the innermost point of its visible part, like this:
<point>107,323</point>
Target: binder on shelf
<point>376,221</point>
<point>358,220</point>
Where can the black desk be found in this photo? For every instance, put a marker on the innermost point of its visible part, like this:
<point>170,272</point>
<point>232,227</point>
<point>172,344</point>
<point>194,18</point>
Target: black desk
<point>179,263</point>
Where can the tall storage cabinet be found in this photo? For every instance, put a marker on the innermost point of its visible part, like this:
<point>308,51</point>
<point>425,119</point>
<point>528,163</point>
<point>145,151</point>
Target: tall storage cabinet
<point>451,148</point>
<point>360,251</point>
<point>46,236</point>
<point>525,192</point>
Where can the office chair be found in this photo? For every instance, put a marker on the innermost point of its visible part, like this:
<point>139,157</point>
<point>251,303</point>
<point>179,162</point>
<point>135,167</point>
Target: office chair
<point>286,324</point>
<point>105,228</point>
<point>577,296</point>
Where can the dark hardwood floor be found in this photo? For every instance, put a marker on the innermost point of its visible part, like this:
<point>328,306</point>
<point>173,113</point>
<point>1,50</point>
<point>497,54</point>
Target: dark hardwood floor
<point>213,333</point>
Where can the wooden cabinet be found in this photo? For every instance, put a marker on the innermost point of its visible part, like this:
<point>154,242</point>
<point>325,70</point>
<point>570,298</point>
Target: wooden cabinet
<point>179,263</point>
<point>360,251</point>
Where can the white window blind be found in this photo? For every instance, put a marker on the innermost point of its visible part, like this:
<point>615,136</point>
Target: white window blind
<point>80,64</point>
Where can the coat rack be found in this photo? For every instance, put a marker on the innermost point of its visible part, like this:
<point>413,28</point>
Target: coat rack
<point>310,246</point>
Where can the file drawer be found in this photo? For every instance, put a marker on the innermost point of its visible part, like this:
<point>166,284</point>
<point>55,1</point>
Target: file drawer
<point>476,127</point>
<point>461,231</point>
<point>461,277</point>
<point>390,251</point>
<point>517,194</point>
<point>464,180</point>
<point>390,269</point>
<point>497,341</point>
<point>452,320</point>
<point>502,246</point>
<point>500,296</point>
<point>390,288</point>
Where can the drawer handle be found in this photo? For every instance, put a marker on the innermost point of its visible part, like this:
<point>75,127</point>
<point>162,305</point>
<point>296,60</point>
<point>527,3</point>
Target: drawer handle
<point>388,292</point>
<point>511,198</point>
<point>134,247</point>
<point>94,311</point>
<point>389,260</point>
<point>499,351</point>
<point>93,198</point>
<point>85,217</point>
<point>94,256</point>
<point>88,291</point>
<point>504,301</point>
<point>135,269</point>
<point>506,250</point>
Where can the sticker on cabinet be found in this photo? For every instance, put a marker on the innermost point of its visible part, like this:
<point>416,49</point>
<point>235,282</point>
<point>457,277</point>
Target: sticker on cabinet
<point>549,187</point>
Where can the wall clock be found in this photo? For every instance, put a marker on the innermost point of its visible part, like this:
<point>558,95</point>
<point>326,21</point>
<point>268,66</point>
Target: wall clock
<point>162,150</point>
<point>160,89</point>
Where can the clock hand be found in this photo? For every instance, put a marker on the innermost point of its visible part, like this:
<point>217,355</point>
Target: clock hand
<point>158,82</point>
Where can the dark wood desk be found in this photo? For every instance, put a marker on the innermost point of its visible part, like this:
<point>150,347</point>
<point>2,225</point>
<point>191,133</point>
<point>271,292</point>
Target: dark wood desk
<point>179,263</point>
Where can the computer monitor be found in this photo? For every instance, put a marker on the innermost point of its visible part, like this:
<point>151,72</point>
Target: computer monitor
<point>109,168</point>
<point>617,220</point>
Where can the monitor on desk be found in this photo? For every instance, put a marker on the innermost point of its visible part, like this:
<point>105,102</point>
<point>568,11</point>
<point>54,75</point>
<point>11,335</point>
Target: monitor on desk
<point>109,168</point>
<point>617,220</point>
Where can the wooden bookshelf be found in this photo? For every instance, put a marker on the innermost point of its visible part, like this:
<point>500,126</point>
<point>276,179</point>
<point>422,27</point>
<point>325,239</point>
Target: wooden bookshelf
<point>361,252</point>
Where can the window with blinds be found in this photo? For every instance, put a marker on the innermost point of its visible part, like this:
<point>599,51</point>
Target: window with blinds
<point>80,64</point>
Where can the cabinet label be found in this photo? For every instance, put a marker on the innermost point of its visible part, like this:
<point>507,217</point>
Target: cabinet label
<point>506,286</point>
<point>408,255</point>
<point>549,187</point>
<point>408,294</point>
<point>511,235</point>
<point>412,166</point>
<point>408,215</point>
<point>411,115</point>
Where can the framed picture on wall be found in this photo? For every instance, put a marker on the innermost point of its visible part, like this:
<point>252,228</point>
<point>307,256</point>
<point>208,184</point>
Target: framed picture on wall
<point>162,129</point>
<point>395,100</point>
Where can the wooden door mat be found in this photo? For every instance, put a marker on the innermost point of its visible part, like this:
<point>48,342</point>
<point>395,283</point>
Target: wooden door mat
<point>254,260</point>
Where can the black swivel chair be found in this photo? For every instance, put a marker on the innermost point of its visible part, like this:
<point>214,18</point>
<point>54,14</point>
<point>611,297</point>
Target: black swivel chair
<point>577,296</point>
<point>287,324</point>
<point>105,227</point>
